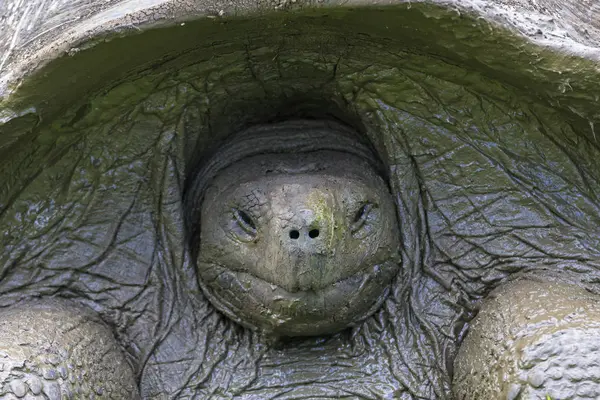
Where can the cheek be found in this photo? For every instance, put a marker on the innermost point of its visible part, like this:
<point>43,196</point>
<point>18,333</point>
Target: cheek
<point>209,219</point>
<point>214,230</point>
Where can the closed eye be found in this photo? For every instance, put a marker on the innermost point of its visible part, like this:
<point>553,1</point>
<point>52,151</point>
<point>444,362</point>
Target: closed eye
<point>244,221</point>
<point>361,216</point>
<point>362,222</point>
<point>362,212</point>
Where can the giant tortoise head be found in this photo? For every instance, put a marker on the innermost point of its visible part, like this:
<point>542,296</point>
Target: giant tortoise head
<point>294,228</point>
<point>299,200</point>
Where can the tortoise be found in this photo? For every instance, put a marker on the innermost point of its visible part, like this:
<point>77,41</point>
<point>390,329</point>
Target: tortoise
<point>392,202</point>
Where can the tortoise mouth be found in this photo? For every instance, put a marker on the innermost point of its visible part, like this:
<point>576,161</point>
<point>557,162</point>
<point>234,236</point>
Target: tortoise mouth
<point>254,302</point>
<point>299,293</point>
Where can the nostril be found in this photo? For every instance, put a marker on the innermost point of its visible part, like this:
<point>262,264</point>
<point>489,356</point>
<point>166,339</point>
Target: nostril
<point>294,234</point>
<point>313,233</point>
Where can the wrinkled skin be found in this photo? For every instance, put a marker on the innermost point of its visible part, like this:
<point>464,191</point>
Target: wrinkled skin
<point>533,337</point>
<point>492,159</point>
<point>299,243</point>
<point>52,349</point>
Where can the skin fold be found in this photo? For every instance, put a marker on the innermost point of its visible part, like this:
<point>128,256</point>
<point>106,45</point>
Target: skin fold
<point>428,140</point>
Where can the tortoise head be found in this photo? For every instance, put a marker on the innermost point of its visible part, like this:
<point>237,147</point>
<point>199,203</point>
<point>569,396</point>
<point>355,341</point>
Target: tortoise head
<point>297,242</point>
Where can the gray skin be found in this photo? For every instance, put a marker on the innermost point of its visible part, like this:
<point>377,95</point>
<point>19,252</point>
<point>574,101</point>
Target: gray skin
<point>489,147</point>
<point>533,339</point>
<point>298,244</point>
<point>54,349</point>
<point>294,228</point>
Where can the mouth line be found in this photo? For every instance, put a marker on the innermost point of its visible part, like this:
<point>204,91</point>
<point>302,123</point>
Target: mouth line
<point>259,304</point>
<point>362,275</point>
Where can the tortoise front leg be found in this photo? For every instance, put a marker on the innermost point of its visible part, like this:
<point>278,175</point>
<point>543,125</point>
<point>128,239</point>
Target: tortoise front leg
<point>52,349</point>
<point>532,340</point>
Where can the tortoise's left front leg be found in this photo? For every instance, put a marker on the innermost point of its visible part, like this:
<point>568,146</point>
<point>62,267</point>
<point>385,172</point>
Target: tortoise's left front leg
<point>533,339</point>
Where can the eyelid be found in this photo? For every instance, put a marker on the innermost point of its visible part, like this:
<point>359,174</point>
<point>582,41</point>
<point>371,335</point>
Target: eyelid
<point>244,221</point>
<point>363,211</point>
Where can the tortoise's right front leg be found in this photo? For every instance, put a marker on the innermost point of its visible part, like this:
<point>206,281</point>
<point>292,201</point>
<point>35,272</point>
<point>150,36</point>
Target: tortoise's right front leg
<point>52,349</point>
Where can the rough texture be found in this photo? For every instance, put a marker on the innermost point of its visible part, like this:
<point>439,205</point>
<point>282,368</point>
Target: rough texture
<point>52,349</point>
<point>532,339</point>
<point>489,143</point>
<point>297,242</point>
<point>37,31</point>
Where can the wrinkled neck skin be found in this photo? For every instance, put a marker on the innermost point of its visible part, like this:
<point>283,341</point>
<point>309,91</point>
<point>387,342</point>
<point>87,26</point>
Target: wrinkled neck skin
<point>490,151</point>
